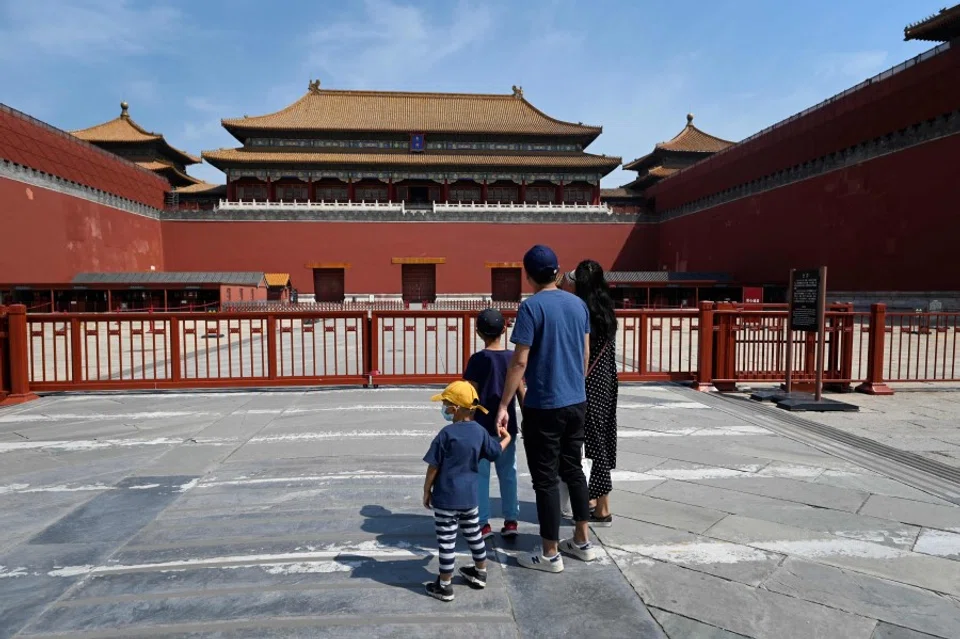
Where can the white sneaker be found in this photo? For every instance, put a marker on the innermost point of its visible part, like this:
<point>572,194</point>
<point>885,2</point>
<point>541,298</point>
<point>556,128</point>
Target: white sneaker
<point>583,554</point>
<point>537,561</point>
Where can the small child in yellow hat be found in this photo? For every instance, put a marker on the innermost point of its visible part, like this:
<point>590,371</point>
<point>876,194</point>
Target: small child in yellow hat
<point>450,488</point>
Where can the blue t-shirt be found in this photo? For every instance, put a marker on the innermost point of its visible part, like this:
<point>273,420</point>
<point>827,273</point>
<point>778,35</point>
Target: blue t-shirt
<point>489,370</point>
<point>553,324</point>
<point>456,451</point>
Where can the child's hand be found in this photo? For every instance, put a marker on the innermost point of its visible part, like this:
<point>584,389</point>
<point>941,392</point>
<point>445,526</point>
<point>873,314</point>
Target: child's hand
<point>503,432</point>
<point>427,499</point>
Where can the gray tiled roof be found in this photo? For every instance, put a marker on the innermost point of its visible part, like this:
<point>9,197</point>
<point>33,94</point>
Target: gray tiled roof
<point>160,277</point>
<point>664,276</point>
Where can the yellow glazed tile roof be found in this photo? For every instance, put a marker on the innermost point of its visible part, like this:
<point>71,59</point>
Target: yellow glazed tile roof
<point>277,279</point>
<point>124,129</point>
<point>336,110</point>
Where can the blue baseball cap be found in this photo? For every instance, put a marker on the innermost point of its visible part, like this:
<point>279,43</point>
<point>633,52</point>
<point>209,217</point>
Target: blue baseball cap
<point>541,260</point>
<point>490,322</point>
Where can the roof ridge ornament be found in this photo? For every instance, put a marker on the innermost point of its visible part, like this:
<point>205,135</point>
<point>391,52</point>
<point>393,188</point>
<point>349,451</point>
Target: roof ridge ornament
<point>690,119</point>
<point>123,109</point>
<point>314,87</point>
<point>517,91</point>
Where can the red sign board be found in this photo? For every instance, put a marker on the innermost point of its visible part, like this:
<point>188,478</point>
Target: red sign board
<point>753,295</point>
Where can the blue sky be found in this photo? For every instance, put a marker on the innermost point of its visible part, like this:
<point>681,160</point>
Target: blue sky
<point>635,67</point>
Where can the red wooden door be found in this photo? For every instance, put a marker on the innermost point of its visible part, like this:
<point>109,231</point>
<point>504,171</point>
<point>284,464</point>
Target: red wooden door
<point>328,285</point>
<point>505,284</point>
<point>419,283</point>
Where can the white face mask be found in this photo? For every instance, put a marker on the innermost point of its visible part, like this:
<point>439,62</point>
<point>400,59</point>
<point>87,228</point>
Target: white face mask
<point>446,416</point>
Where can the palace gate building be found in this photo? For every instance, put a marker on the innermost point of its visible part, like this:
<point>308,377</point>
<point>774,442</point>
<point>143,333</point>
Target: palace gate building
<point>420,195</point>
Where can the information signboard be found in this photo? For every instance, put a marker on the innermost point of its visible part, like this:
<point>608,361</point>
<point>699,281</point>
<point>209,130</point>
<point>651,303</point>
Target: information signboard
<point>805,301</point>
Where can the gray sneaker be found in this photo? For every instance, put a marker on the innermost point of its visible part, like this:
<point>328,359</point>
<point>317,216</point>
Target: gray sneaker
<point>587,553</point>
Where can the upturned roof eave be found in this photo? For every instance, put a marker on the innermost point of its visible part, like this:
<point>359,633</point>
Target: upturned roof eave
<point>604,165</point>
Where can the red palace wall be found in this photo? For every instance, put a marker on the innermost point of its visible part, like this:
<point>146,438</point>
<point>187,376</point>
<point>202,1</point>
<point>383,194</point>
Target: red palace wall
<point>286,247</point>
<point>926,90</point>
<point>50,237</point>
<point>889,224</point>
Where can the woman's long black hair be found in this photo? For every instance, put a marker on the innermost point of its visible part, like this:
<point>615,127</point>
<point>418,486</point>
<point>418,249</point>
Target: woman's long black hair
<point>592,288</point>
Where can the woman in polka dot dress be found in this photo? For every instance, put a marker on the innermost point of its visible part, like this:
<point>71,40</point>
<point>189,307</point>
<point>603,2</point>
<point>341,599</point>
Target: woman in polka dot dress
<point>602,386</point>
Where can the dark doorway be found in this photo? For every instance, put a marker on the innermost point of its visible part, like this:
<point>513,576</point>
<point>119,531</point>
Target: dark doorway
<point>419,195</point>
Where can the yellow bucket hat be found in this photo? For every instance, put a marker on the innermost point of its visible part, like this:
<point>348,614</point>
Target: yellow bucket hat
<point>462,394</point>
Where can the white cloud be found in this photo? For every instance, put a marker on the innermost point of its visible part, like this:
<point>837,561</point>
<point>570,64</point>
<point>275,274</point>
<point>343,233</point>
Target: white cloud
<point>85,30</point>
<point>391,42</point>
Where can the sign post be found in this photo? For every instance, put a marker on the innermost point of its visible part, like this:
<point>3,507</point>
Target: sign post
<point>807,314</point>
<point>808,306</point>
<point>788,385</point>
<point>822,325</point>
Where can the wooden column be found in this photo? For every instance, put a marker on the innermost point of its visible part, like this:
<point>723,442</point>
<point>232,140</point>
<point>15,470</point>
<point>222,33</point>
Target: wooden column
<point>483,192</point>
<point>311,190</point>
<point>558,194</point>
<point>522,192</point>
<point>231,191</point>
<point>351,190</point>
<point>18,345</point>
<point>875,352</point>
<point>391,191</point>
<point>271,191</point>
<point>595,200</point>
<point>446,191</point>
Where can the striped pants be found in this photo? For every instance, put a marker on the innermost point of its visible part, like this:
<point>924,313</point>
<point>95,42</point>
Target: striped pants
<point>447,522</point>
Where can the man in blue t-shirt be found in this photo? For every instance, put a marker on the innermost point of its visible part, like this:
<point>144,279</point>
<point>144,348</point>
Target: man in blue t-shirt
<point>552,335</point>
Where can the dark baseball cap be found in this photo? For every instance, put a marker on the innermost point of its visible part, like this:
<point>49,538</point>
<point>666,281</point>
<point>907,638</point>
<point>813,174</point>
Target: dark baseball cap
<point>540,260</point>
<point>490,322</point>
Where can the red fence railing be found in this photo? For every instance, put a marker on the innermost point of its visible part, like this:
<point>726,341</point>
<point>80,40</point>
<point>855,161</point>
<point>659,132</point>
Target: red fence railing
<point>56,352</point>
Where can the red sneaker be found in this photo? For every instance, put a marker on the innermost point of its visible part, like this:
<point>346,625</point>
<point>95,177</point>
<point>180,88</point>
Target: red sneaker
<point>486,532</point>
<point>509,530</point>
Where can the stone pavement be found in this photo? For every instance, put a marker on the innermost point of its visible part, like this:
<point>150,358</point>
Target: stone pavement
<point>922,418</point>
<point>296,514</point>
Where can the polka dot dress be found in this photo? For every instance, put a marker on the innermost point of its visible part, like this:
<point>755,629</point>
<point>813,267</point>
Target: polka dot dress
<point>601,424</point>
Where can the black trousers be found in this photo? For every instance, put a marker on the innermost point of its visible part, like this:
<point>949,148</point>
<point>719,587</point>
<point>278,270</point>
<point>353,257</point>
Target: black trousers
<point>553,441</point>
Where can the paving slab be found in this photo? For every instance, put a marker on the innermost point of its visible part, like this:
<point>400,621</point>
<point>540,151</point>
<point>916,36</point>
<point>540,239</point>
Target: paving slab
<point>894,564</point>
<point>795,491</point>
<point>889,631</point>
<point>913,512</point>
<point>868,596</point>
<point>741,609</point>
<point>296,513</point>
<point>678,627</point>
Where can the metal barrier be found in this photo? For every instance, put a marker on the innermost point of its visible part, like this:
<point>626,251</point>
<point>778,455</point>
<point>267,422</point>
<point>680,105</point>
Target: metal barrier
<point>712,347</point>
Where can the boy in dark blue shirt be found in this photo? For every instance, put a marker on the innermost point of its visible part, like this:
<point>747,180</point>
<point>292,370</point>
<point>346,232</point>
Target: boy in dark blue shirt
<point>450,488</point>
<point>552,339</point>
<point>487,371</point>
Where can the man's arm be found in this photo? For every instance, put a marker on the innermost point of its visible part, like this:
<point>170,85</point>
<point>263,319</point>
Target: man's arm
<point>428,485</point>
<point>515,371</point>
<point>586,354</point>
